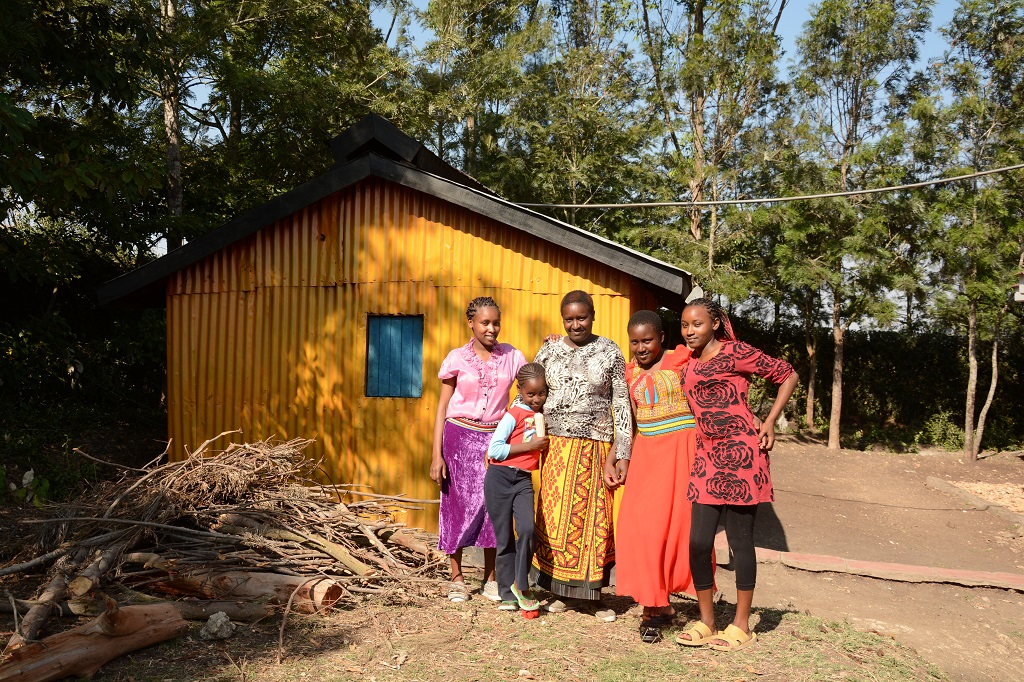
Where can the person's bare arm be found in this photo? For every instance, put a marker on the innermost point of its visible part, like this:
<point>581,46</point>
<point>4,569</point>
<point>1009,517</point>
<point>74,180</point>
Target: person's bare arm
<point>438,470</point>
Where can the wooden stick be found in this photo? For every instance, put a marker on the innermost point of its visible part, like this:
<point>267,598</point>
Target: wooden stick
<point>109,464</point>
<point>135,522</point>
<point>18,568</point>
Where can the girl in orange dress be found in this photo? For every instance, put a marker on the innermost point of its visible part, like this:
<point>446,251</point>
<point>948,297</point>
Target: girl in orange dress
<point>653,531</point>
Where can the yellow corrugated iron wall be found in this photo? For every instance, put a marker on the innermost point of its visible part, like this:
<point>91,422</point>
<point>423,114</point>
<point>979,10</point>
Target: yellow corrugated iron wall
<point>269,334</point>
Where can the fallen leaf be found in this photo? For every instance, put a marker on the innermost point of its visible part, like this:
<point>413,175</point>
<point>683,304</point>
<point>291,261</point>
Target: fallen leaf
<point>754,671</point>
<point>525,674</point>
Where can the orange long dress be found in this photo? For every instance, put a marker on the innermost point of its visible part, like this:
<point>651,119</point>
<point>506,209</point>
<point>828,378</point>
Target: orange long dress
<point>653,532</point>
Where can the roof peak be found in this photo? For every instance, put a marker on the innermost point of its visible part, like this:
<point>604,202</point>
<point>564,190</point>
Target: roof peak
<point>374,134</point>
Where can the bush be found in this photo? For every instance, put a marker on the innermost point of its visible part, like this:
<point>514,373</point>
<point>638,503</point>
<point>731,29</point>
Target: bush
<point>940,430</point>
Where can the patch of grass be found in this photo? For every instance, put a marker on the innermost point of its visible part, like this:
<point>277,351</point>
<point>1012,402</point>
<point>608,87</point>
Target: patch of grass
<point>430,639</point>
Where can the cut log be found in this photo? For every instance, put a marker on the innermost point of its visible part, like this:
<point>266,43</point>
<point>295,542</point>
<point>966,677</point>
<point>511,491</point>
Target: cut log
<point>82,650</point>
<point>34,620</point>
<point>313,595</point>
<point>90,578</point>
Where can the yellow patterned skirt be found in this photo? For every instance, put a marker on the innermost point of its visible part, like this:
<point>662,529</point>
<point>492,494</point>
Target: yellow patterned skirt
<point>573,529</point>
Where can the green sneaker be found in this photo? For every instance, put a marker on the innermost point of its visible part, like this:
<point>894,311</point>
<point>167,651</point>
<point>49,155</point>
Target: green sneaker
<point>525,599</point>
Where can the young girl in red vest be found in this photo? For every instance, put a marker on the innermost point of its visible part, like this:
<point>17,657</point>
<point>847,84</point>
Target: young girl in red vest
<point>514,452</point>
<point>730,474</point>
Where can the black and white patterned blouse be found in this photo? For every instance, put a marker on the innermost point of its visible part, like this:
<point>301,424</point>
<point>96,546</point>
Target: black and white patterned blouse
<point>587,393</point>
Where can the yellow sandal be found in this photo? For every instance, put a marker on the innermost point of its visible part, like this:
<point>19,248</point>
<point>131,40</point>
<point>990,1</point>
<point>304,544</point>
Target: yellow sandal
<point>736,639</point>
<point>700,635</point>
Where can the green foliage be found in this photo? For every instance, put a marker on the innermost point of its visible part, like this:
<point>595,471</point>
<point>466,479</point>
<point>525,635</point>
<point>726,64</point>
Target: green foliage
<point>942,431</point>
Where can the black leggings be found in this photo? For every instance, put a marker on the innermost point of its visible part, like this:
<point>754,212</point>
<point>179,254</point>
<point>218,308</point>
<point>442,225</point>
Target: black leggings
<point>739,529</point>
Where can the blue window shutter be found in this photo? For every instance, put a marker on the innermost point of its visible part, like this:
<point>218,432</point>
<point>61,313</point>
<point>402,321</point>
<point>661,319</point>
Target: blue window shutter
<point>394,356</point>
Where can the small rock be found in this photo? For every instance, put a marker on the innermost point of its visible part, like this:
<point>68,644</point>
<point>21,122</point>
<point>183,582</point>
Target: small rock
<point>219,626</point>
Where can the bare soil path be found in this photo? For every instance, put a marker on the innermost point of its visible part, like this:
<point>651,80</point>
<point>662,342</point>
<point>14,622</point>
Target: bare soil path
<point>876,506</point>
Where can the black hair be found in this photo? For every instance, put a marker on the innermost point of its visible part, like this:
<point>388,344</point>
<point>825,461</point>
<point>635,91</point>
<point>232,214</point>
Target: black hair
<point>531,370</point>
<point>478,303</point>
<point>578,296</point>
<point>642,318</point>
<point>724,331</point>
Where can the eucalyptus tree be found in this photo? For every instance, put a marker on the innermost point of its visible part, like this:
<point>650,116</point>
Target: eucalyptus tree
<point>854,56</point>
<point>981,248</point>
<point>578,131</point>
<point>465,78</point>
<point>713,66</point>
<point>262,88</point>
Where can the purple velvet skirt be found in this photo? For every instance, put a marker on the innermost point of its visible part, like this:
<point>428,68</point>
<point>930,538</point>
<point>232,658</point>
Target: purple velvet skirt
<point>463,518</point>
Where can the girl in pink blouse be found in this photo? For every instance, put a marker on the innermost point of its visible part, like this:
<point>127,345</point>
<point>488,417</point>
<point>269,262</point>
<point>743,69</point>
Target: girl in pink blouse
<point>475,382</point>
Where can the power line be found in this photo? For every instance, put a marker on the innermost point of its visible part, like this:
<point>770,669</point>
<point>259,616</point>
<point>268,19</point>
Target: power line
<point>779,200</point>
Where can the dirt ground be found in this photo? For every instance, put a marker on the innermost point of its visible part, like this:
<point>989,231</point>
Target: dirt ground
<point>858,505</point>
<point>875,506</point>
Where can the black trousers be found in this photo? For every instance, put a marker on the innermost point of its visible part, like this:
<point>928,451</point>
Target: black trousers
<point>508,494</point>
<point>739,528</point>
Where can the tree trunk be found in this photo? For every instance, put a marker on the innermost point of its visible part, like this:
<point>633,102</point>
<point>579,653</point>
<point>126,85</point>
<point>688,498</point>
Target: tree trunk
<point>811,343</point>
<point>170,95</point>
<point>839,341</point>
<point>697,105</point>
<point>972,378</point>
<point>712,228</point>
<point>82,650</point>
<point>992,384</point>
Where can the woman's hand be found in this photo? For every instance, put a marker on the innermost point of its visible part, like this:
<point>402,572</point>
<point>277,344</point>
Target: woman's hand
<point>766,436</point>
<point>621,469</point>
<point>553,338</point>
<point>611,478</point>
<point>438,470</point>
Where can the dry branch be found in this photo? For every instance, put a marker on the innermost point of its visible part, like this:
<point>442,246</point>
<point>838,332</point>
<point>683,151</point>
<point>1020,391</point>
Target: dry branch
<point>36,617</point>
<point>248,526</point>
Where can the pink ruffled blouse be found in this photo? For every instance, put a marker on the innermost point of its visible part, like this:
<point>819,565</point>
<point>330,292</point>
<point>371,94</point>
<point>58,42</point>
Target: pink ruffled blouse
<point>481,388</point>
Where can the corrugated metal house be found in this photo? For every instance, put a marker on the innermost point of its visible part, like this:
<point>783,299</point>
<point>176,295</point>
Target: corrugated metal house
<point>326,312</point>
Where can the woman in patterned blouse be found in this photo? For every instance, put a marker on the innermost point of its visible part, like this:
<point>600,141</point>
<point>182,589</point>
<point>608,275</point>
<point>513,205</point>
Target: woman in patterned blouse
<point>590,430</point>
<point>730,474</point>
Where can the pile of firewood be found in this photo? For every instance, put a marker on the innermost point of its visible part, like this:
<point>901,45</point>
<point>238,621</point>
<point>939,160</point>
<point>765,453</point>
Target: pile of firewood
<point>247,531</point>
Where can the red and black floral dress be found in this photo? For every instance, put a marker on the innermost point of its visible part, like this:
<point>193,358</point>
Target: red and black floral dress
<point>730,466</point>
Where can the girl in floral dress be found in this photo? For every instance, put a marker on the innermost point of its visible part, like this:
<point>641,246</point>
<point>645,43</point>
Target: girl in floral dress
<point>730,474</point>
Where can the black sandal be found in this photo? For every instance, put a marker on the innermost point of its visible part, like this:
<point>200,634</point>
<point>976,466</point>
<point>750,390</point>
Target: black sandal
<point>649,633</point>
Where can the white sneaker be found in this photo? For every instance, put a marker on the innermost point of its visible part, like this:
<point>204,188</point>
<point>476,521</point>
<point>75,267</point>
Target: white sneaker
<point>490,590</point>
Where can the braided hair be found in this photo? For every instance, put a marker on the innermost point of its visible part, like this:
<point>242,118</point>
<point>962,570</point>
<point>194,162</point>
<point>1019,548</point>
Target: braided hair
<point>478,303</point>
<point>529,371</point>
<point>643,318</point>
<point>715,311</point>
<point>578,296</point>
